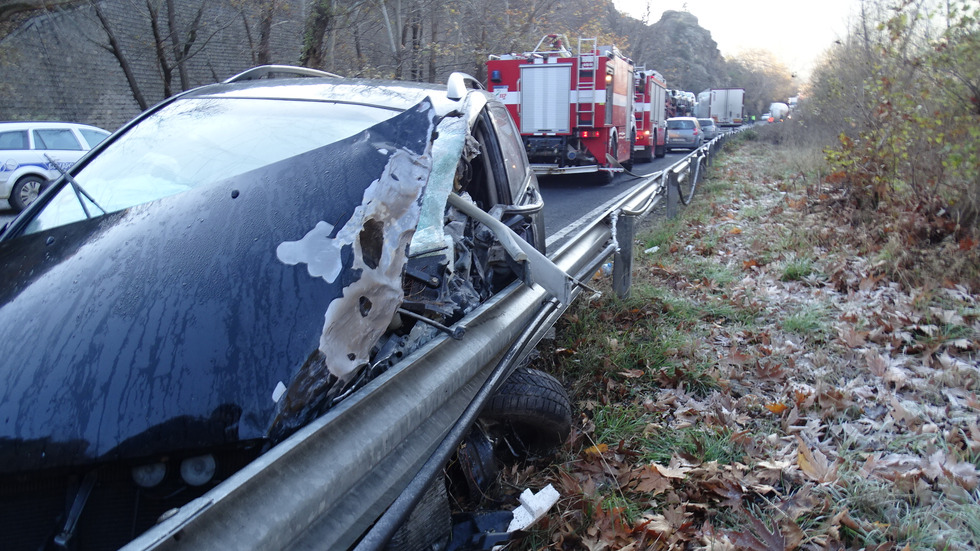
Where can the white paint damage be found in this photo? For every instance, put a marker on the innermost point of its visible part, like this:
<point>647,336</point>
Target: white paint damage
<point>378,233</point>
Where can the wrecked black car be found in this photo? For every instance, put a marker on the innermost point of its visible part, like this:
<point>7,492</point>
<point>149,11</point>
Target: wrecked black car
<point>229,266</point>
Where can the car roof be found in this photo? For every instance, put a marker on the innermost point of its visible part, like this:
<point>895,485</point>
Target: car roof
<point>46,124</point>
<point>389,94</point>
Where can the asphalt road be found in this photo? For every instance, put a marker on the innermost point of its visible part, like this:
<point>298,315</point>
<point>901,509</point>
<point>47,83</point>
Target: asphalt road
<point>568,199</point>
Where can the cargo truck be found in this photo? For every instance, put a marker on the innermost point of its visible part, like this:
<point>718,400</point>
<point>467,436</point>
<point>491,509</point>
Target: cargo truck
<point>724,105</point>
<point>778,111</point>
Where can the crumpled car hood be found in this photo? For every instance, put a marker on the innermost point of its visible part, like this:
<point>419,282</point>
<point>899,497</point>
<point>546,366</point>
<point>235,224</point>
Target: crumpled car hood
<point>202,319</point>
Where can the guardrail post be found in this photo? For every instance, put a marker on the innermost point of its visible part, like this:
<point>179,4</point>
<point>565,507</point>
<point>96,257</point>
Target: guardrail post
<point>622,276</point>
<point>673,194</point>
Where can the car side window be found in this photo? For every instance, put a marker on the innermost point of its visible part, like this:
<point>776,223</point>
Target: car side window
<point>16,139</point>
<point>92,136</point>
<point>56,138</point>
<point>511,147</point>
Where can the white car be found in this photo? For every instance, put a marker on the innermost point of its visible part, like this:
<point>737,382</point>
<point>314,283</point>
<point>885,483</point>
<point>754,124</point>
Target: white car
<point>27,150</point>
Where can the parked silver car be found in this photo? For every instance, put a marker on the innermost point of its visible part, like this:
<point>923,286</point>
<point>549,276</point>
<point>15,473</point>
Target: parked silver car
<point>684,133</point>
<point>709,129</point>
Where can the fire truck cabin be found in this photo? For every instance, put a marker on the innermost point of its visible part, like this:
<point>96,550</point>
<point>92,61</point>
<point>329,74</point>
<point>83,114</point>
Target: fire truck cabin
<point>650,105</point>
<point>575,112</point>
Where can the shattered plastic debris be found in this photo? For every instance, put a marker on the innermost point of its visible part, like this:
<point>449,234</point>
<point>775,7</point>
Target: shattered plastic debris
<point>278,392</point>
<point>533,507</point>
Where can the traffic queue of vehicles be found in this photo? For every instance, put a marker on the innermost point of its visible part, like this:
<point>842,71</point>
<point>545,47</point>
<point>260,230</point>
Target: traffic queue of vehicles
<point>594,111</point>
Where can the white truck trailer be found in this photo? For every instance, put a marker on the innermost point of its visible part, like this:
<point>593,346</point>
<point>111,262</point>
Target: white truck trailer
<point>724,105</point>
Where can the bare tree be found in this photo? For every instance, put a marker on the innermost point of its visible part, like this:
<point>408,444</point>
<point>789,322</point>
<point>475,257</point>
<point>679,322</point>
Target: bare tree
<point>115,49</point>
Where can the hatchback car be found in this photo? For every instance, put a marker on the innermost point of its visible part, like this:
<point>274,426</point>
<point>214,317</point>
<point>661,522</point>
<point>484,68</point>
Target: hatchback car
<point>229,266</point>
<point>709,129</point>
<point>31,154</point>
<point>683,133</point>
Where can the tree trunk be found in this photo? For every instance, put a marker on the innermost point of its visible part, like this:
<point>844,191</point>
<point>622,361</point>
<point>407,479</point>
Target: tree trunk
<point>315,29</point>
<point>116,51</point>
<point>166,70</point>
<point>434,32</point>
<point>263,55</point>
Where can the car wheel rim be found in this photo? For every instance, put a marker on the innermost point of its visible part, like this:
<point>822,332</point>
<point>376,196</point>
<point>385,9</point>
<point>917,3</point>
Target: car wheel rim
<point>29,191</point>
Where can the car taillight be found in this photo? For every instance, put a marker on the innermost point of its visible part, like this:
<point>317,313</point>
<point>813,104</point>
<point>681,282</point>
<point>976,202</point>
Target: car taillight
<point>695,131</point>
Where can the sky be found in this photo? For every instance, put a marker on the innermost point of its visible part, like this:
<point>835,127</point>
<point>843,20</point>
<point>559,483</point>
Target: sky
<point>796,31</point>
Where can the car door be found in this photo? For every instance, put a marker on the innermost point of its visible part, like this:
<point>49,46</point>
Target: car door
<point>58,145</point>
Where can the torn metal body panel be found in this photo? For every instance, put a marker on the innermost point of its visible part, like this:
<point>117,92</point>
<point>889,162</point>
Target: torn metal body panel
<point>150,319</point>
<point>229,267</point>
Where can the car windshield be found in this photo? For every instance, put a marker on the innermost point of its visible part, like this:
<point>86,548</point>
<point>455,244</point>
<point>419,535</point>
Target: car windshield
<point>680,125</point>
<point>195,142</point>
<point>706,122</point>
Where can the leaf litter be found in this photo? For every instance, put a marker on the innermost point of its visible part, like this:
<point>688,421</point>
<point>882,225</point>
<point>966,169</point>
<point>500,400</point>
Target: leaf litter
<point>782,391</point>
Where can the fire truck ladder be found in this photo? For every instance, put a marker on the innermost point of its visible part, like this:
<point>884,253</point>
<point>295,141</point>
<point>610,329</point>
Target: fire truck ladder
<point>588,64</point>
<point>640,73</point>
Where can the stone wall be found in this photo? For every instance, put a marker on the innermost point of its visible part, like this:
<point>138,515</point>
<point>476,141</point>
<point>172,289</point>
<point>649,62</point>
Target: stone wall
<point>56,66</point>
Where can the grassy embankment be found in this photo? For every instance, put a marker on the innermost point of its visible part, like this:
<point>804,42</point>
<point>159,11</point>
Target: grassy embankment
<point>778,379</point>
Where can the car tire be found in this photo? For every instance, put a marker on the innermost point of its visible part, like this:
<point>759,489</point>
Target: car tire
<point>646,155</point>
<point>534,410</point>
<point>628,165</point>
<point>25,191</point>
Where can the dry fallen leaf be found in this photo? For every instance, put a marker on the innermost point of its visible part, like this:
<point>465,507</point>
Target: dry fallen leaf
<point>815,464</point>
<point>852,338</point>
<point>598,449</point>
<point>777,407</point>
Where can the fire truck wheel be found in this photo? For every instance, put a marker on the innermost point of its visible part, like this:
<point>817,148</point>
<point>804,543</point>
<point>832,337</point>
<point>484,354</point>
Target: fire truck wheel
<point>660,151</point>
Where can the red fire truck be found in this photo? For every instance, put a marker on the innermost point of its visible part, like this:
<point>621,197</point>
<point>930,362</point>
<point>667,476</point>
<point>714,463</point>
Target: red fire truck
<point>575,112</point>
<point>650,105</point>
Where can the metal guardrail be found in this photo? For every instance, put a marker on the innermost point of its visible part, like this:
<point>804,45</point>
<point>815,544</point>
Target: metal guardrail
<point>327,484</point>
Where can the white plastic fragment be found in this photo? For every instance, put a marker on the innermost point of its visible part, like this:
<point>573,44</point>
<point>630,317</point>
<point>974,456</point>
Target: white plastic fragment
<point>533,507</point>
<point>278,392</point>
<point>651,250</point>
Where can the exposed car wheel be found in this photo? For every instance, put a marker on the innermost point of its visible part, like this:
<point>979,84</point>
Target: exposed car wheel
<point>429,525</point>
<point>534,409</point>
<point>25,191</point>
